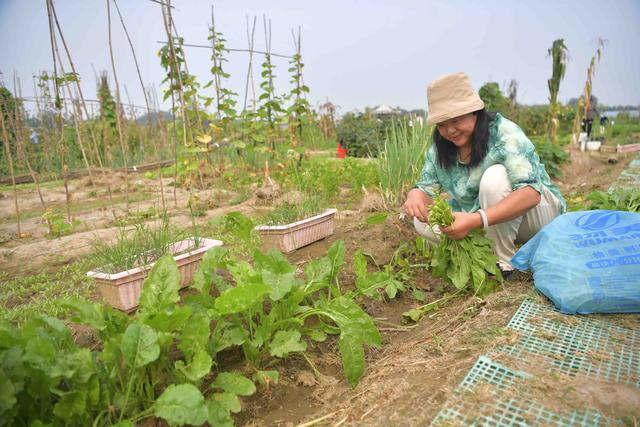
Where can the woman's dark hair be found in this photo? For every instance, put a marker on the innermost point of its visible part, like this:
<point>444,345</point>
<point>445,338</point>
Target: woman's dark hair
<point>447,152</point>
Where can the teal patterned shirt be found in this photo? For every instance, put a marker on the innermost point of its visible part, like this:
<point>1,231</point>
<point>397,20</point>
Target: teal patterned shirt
<point>508,146</point>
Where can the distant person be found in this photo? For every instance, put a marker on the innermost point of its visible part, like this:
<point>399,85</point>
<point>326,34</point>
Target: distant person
<point>603,122</point>
<point>489,169</point>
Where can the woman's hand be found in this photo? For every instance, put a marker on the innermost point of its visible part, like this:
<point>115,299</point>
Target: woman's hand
<point>416,204</point>
<point>462,225</point>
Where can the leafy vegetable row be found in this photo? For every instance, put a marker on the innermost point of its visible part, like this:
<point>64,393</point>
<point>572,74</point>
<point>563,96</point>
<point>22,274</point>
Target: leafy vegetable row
<point>161,362</point>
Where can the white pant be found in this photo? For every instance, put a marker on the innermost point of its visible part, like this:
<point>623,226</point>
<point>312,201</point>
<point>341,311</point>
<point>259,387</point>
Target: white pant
<point>495,186</point>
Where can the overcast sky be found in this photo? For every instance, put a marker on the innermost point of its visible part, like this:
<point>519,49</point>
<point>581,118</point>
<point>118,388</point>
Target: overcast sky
<point>357,53</point>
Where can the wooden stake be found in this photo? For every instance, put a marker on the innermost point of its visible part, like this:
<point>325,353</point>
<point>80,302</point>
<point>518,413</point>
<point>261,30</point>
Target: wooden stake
<point>118,112</point>
<point>250,39</point>
<point>7,150</point>
<point>57,53</point>
<point>18,133</point>
<point>57,106</point>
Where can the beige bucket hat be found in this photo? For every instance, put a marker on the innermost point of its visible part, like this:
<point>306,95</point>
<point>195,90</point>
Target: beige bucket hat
<point>451,96</point>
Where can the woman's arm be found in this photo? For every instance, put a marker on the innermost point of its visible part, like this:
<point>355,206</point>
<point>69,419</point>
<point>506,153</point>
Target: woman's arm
<point>514,205</point>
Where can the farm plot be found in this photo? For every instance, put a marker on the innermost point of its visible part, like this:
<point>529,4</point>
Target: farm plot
<point>416,365</point>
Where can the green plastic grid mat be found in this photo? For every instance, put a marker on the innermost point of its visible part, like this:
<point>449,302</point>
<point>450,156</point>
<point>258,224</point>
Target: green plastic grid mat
<point>630,177</point>
<point>576,345</point>
<point>500,410</point>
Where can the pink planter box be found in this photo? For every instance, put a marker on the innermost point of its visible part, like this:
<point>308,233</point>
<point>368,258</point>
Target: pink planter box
<point>288,238</point>
<point>629,148</point>
<point>122,290</point>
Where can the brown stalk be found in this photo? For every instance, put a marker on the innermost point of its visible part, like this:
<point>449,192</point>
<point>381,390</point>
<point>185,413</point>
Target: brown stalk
<point>7,149</point>
<point>135,61</point>
<point>118,112</point>
<point>84,106</point>
<point>167,26</point>
<point>18,127</point>
<point>60,142</point>
<point>57,53</point>
<point>250,39</point>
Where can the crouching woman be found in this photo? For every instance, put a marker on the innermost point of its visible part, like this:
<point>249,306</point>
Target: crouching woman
<point>488,168</point>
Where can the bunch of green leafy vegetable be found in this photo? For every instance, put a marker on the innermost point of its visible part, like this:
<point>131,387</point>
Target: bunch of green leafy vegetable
<point>467,264</point>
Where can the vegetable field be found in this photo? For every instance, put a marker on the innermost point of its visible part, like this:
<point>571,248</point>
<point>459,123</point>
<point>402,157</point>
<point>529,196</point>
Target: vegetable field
<point>369,325</point>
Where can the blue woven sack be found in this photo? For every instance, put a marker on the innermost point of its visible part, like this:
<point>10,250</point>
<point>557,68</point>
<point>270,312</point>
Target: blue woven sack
<point>587,262</point>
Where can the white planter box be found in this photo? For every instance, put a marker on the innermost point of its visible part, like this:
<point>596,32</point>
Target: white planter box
<point>122,290</point>
<point>289,237</point>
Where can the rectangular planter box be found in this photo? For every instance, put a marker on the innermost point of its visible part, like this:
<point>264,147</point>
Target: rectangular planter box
<point>289,237</point>
<point>122,290</point>
<point>629,148</point>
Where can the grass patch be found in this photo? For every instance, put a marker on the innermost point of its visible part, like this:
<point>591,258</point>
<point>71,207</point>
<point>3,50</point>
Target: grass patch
<point>23,298</point>
<point>31,185</point>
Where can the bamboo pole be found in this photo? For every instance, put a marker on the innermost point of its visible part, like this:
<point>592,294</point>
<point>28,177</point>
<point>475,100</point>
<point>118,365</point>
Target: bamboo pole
<point>232,49</point>
<point>118,112</point>
<point>58,107</point>
<point>163,135</point>
<point>194,99</point>
<point>167,26</point>
<point>135,61</point>
<point>57,54</point>
<point>214,58</point>
<point>135,58</point>
<point>250,39</point>
<point>82,99</point>
<point>43,128</point>
<point>18,134</point>
<point>168,22</point>
<point>7,149</point>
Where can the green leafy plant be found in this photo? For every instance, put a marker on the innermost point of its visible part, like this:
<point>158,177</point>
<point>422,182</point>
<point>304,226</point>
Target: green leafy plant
<point>361,134</point>
<point>58,225</point>
<point>552,156</point>
<point>225,102</point>
<point>618,199</point>
<point>149,365</point>
<point>493,98</point>
<point>299,109</point>
<point>270,313</point>
<point>270,106</point>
